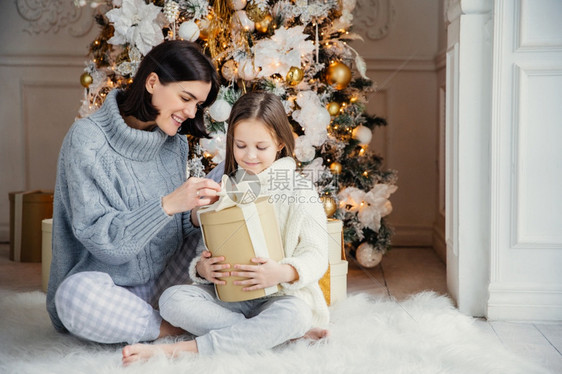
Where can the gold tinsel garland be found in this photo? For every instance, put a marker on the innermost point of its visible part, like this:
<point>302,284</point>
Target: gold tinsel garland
<point>219,29</point>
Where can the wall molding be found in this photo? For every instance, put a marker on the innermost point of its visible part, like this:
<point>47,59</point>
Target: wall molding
<point>26,89</point>
<point>374,18</point>
<point>54,16</point>
<point>519,237</point>
<point>402,64</point>
<point>522,42</point>
<point>380,64</point>
<point>43,60</point>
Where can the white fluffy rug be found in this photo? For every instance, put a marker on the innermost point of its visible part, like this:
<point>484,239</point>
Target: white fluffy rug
<point>424,334</point>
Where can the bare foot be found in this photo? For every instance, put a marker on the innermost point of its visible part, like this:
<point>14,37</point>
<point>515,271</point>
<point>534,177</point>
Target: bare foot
<point>142,352</point>
<point>316,333</point>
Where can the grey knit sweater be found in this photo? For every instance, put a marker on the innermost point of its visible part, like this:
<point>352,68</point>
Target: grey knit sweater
<point>107,208</point>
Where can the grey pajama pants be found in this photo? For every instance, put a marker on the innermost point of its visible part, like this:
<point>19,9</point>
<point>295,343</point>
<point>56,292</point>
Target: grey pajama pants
<point>92,307</point>
<point>246,326</point>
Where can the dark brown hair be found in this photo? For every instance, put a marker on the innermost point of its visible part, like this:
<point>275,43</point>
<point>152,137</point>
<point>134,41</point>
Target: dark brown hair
<point>267,108</point>
<point>172,61</point>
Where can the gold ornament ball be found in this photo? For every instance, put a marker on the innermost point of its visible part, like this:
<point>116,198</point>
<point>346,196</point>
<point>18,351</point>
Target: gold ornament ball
<point>335,167</point>
<point>338,75</point>
<point>333,108</point>
<point>330,205</point>
<point>86,79</point>
<point>228,70</point>
<point>255,13</point>
<point>263,26</point>
<point>206,29</point>
<point>294,75</point>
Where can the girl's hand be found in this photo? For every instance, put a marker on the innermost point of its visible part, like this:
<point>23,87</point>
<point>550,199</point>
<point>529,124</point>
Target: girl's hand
<point>194,192</point>
<point>266,273</point>
<point>209,268</point>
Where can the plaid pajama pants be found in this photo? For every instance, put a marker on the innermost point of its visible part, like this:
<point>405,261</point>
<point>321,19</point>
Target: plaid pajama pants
<point>92,307</point>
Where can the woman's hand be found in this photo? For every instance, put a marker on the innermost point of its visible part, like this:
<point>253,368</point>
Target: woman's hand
<point>210,268</point>
<point>266,273</point>
<point>194,192</point>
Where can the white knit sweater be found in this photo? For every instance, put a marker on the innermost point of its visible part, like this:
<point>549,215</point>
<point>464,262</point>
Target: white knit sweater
<point>302,222</point>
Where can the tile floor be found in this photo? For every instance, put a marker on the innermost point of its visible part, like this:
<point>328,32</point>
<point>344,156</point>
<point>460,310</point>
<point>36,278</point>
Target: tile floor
<point>403,272</point>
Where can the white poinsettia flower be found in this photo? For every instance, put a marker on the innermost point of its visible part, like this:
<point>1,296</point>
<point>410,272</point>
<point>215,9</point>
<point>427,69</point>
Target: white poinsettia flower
<point>376,205</point>
<point>136,23</point>
<point>350,199</point>
<point>304,151</point>
<point>282,51</point>
<point>313,117</point>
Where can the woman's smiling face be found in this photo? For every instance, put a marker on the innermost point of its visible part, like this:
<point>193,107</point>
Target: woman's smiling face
<point>176,101</point>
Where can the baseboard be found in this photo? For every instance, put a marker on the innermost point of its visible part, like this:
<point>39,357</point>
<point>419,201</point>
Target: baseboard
<point>4,233</point>
<point>412,236</point>
<point>439,243</point>
<point>525,302</point>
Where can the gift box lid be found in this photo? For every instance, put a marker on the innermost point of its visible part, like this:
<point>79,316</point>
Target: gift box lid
<point>210,217</point>
<point>33,196</point>
<point>338,268</point>
<point>334,226</point>
<point>47,225</point>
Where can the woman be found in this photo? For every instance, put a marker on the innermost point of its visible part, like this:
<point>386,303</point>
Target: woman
<point>122,209</point>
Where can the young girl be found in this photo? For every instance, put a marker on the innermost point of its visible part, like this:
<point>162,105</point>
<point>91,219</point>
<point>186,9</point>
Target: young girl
<point>260,141</point>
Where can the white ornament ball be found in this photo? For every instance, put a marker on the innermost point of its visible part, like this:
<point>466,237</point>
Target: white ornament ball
<point>220,110</point>
<point>363,134</point>
<point>247,70</point>
<point>241,20</point>
<point>238,4</point>
<point>367,256</point>
<point>189,31</point>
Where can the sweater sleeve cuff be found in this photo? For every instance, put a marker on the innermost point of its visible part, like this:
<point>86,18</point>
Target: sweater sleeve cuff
<point>186,223</point>
<point>304,278</point>
<point>193,272</point>
<point>151,213</point>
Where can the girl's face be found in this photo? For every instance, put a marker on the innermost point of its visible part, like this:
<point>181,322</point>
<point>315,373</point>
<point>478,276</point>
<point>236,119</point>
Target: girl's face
<point>176,101</point>
<point>255,147</point>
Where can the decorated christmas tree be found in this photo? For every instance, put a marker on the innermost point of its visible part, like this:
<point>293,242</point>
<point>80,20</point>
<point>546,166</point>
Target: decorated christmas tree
<point>296,49</point>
